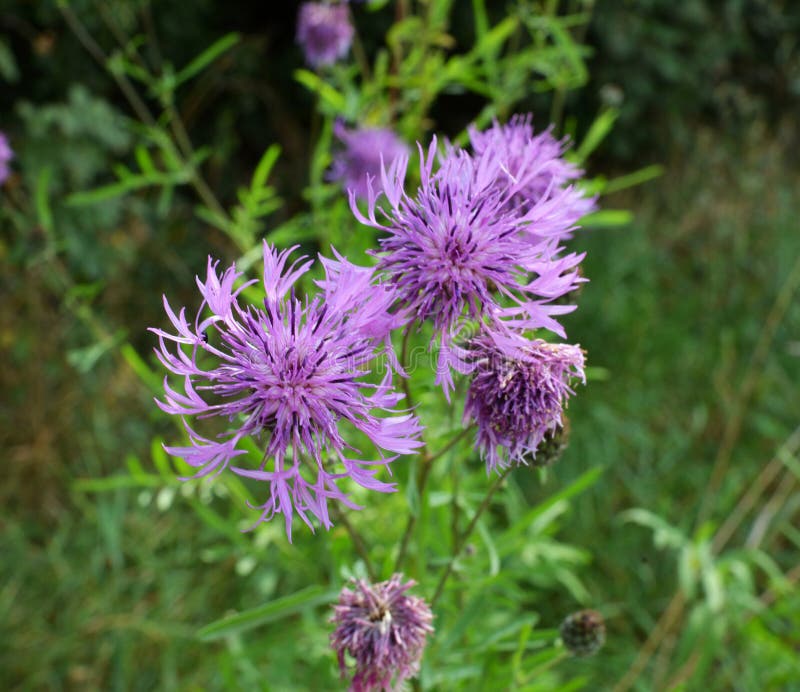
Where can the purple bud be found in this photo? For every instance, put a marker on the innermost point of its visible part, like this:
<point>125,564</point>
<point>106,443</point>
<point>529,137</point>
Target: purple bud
<point>324,32</point>
<point>6,154</point>
<point>363,152</point>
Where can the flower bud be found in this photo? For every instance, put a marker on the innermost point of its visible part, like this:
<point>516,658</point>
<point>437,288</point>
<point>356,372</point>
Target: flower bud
<point>583,633</point>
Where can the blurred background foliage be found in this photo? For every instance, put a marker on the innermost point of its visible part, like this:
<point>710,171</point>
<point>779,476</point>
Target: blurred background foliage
<point>675,508</point>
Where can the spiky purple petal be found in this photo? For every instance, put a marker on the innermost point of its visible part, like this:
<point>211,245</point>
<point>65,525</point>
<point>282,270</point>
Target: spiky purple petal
<point>294,374</point>
<point>6,154</point>
<point>458,252</point>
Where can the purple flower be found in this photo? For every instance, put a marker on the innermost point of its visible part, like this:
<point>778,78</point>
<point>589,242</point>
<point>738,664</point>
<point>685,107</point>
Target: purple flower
<point>458,251</point>
<point>324,32</point>
<point>6,154</point>
<point>383,629</point>
<point>538,160</point>
<point>363,153</point>
<point>295,374</point>
<point>517,393</point>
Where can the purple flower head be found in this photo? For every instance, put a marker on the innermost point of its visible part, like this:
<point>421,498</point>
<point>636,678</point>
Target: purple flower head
<point>538,159</point>
<point>6,154</point>
<point>363,153</point>
<point>324,32</point>
<point>296,375</point>
<point>383,629</point>
<point>518,391</point>
<point>457,251</point>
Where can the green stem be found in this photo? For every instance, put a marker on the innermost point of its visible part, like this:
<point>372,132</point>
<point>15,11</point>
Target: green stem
<point>92,47</point>
<point>467,533</point>
<point>422,482</point>
<point>358,544</point>
<point>453,442</point>
<point>184,150</point>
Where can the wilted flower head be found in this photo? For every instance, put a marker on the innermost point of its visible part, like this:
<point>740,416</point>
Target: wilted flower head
<point>6,154</point>
<point>324,31</point>
<point>364,151</point>
<point>294,374</point>
<point>457,251</point>
<point>383,629</point>
<point>517,394</point>
<point>536,159</point>
<point>583,633</point>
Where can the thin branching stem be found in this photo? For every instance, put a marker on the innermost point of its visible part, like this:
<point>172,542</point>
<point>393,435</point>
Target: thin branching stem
<point>358,543</point>
<point>184,150</point>
<point>93,48</point>
<point>462,541</point>
<point>422,482</point>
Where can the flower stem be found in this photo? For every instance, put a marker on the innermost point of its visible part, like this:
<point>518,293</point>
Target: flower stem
<point>467,533</point>
<point>358,543</point>
<point>404,362</point>
<point>422,482</point>
<point>453,442</point>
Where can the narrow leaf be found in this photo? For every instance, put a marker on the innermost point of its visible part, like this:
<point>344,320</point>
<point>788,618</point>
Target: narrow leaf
<point>278,609</point>
<point>205,58</point>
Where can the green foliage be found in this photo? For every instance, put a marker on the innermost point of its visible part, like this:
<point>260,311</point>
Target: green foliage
<point>119,576</point>
<point>667,64</point>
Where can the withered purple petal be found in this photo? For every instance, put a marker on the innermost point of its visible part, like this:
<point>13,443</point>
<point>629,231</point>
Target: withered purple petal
<point>383,629</point>
<point>517,393</point>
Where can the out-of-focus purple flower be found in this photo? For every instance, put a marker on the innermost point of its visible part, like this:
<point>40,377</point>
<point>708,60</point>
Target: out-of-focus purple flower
<point>383,629</point>
<point>324,31</point>
<point>364,150</point>
<point>6,154</point>
<point>295,374</point>
<point>538,159</point>
<point>458,251</point>
<point>517,394</point>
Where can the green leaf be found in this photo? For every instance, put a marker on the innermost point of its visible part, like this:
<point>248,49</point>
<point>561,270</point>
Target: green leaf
<point>144,160</point>
<point>278,609</point>
<point>332,98</point>
<point>584,481</point>
<point>141,368</point>
<point>265,166</point>
<point>43,212</point>
<point>597,133</point>
<point>8,64</point>
<point>665,535</point>
<point>607,218</point>
<point>205,58</point>
<point>109,483</point>
<point>214,219</point>
<point>631,179</point>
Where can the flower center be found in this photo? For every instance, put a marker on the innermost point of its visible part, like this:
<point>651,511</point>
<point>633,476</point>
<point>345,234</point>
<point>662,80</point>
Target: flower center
<point>383,617</point>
